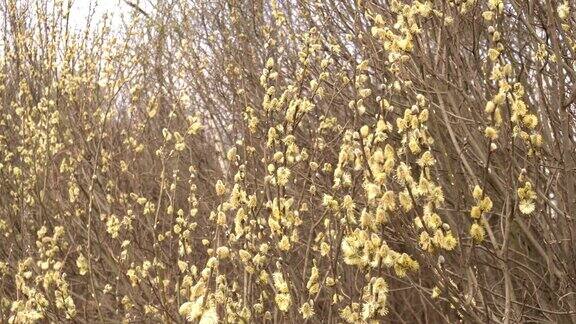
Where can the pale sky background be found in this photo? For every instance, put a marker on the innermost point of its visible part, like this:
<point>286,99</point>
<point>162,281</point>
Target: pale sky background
<point>81,8</point>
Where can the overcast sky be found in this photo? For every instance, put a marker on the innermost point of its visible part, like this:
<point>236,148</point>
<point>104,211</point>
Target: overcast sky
<point>81,8</point>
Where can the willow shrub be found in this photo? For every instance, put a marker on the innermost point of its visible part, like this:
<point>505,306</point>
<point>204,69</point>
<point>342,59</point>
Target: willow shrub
<point>285,161</point>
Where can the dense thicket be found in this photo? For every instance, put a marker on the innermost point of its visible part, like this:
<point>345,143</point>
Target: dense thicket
<point>283,161</point>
